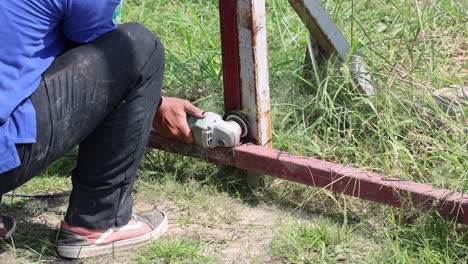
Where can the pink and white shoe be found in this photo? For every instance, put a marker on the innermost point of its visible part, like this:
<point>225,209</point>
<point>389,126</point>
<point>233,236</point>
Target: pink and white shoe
<point>7,226</point>
<point>77,242</point>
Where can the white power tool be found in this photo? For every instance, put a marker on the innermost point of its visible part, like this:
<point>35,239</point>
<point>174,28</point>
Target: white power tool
<point>213,131</point>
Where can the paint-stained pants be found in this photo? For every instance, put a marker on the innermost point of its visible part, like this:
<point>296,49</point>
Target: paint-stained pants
<point>101,96</point>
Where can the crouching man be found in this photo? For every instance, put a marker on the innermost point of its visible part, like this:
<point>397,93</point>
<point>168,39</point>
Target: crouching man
<point>70,76</point>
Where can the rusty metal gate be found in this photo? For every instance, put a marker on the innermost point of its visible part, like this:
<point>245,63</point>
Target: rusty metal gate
<point>246,89</point>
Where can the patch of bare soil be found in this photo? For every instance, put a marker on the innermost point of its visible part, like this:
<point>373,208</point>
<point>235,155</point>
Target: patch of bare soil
<point>7,257</point>
<point>242,237</point>
<point>229,230</point>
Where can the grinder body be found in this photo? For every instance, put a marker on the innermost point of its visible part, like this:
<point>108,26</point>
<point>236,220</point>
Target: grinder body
<point>212,131</point>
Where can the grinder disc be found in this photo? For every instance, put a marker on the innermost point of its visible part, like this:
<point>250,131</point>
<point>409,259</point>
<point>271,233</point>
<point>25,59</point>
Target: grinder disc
<point>241,120</point>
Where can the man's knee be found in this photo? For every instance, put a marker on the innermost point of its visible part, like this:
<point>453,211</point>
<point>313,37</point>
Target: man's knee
<point>144,44</point>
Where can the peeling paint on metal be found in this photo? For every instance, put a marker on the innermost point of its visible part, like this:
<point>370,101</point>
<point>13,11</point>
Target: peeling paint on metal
<point>245,64</point>
<point>254,68</point>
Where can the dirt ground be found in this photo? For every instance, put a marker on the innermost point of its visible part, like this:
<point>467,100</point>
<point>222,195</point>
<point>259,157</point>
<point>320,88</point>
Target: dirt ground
<point>243,238</point>
<point>231,231</point>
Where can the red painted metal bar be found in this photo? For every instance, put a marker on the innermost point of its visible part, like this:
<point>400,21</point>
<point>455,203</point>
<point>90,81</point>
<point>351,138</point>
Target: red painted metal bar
<point>230,50</point>
<point>245,64</point>
<point>328,175</point>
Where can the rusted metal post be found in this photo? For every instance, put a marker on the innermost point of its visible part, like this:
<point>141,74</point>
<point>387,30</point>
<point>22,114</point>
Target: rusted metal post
<point>322,29</point>
<point>328,38</point>
<point>245,64</point>
<point>245,68</point>
<point>328,175</point>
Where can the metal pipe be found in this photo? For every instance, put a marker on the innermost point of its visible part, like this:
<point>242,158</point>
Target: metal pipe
<point>331,176</point>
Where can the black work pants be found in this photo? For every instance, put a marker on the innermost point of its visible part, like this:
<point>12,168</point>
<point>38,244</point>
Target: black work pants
<point>102,96</point>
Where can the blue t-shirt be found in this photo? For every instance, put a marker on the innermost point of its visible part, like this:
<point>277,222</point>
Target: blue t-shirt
<point>32,34</point>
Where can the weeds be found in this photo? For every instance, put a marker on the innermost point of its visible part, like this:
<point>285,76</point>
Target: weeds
<point>427,240</point>
<point>321,241</point>
<point>412,47</point>
<point>173,251</point>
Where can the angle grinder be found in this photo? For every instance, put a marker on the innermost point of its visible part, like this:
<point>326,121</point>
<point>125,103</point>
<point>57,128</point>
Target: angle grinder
<point>216,131</point>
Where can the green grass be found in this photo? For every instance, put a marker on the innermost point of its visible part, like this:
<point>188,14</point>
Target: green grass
<point>401,132</point>
<point>173,251</point>
<point>323,241</point>
<point>412,48</point>
<point>429,240</point>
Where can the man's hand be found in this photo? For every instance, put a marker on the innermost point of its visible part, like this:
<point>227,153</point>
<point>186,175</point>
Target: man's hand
<point>171,119</point>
